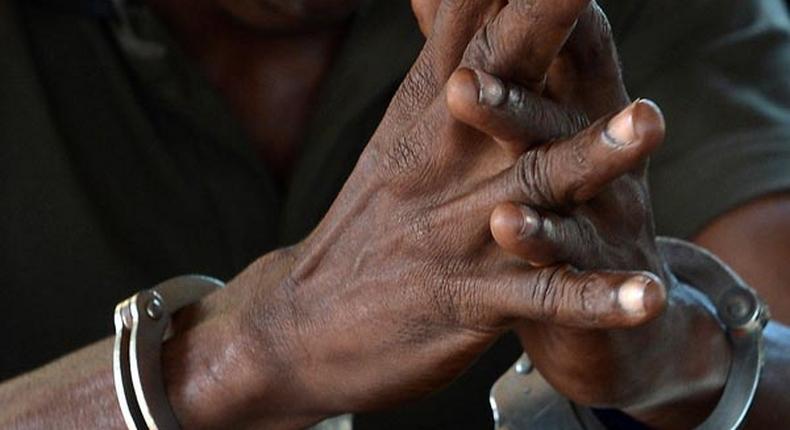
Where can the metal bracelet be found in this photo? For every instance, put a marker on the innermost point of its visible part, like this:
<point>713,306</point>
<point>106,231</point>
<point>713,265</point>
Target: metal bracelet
<point>522,399</point>
<point>744,316</point>
<point>141,325</point>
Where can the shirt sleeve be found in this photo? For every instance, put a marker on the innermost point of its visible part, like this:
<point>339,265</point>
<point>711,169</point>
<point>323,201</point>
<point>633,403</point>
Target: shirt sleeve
<point>720,70</point>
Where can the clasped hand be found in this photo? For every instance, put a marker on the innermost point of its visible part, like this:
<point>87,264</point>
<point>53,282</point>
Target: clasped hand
<point>504,189</point>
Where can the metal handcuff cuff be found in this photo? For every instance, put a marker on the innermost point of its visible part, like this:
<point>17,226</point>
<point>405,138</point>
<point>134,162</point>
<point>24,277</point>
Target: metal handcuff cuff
<point>141,325</point>
<point>523,400</point>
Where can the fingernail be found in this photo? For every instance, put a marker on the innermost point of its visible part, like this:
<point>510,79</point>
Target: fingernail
<point>491,89</point>
<point>648,121</point>
<point>631,295</point>
<point>530,222</point>
<point>641,295</point>
<point>620,130</point>
<point>512,222</point>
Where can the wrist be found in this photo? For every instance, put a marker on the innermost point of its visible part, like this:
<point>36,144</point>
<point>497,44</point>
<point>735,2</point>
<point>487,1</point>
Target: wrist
<point>222,372</point>
<point>201,372</point>
<point>690,383</point>
<point>742,316</point>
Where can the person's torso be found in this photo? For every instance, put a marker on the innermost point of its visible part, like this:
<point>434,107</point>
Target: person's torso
<point>121,167</point>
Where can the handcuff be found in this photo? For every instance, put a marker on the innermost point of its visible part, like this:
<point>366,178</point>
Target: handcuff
<point>142,323</point>
<point>520,400</point>
<point>523,400</point>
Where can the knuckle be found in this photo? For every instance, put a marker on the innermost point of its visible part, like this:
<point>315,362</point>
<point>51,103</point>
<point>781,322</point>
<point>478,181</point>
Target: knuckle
<point>427,233</point>
<point>530,108</point>
<point>560,122</point>
<point>566,240</point>
<point>430,235</point>
<point>586,298</point>
<point>520,100</point>
<point>416,87</point>
<point>419,228</point>
<point>405,153</point>
<point>579,170</point>
<point>532,178</point>
<point>548,293</point>
<point>483,48</point>
<point>577,242</point>
<point>455,297</point>
<point>572,121</point>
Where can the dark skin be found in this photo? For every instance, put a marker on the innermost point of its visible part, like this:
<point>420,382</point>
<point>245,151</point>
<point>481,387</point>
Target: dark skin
<point>582,235</point>
<point>581,86</point>
<point>431,286</point>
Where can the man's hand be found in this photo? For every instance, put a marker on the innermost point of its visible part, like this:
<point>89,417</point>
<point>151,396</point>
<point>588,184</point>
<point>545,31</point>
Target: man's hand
<point>605,226</point>
<point>402,286</point>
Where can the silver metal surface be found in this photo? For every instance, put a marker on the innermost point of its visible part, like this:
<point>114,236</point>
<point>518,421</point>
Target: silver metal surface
<point>154,309</point>
<point>343,422</point>
<point>524,366</point>
<point>141,323</point>
<point>740,310</point>
<point>525,401</point>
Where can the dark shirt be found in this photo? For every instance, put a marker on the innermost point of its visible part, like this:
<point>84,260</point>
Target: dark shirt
<point>120,166</point>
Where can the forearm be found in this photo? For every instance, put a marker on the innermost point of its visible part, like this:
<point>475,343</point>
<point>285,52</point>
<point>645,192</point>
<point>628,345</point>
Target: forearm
<point>209,375</point>
<point>74,392</point>
<point>683,391</point>
<point>77,391</point>
<point>755,241</point>
<point>771,405</point>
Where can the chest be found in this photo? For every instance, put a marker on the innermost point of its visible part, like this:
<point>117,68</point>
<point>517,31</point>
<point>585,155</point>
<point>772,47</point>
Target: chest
<point>269,82</point>
<point>121,169</point>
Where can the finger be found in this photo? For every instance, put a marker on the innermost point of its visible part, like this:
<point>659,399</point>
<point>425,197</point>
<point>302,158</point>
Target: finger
<point>455,22</point>
<point>522,231</point>
<point>513,115</point>
<point>425,12</point>
<point>545,239</point>
<point>520,44</point>
<point>573,171</point>
<point>564,296</point>
<point>587,73</point>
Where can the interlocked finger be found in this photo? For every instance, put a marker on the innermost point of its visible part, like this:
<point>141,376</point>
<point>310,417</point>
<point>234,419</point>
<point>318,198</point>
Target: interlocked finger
<point>522,41</point>
<point>587,73</point>
<point>513,115</point>
<point>543,239</point>
<point>563,296</point>
<point>456,21</point>
<point>573,171</point>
